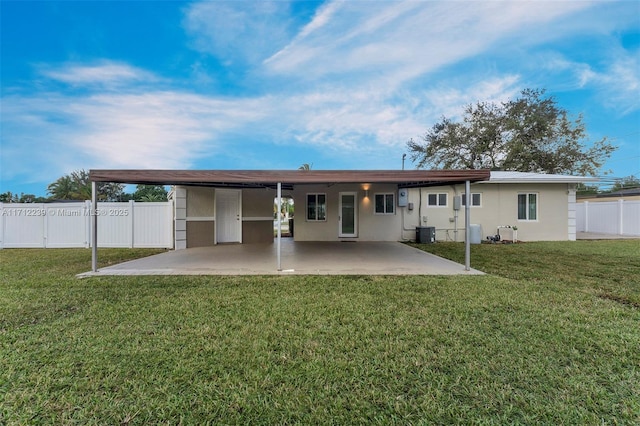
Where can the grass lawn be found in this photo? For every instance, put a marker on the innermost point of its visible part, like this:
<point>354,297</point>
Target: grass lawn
<point>550,336</point>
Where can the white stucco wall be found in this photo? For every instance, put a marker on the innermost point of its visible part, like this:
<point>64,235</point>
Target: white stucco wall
<point>371,226</point>
<point>499,208</point>
<point>556,211</point>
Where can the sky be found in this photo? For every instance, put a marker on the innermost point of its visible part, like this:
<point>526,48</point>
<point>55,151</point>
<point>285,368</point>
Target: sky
<point>274,85</point>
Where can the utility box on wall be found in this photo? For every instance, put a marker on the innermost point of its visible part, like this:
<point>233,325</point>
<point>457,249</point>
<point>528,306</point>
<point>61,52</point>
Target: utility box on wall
<point>475,234</point>
<point>425,234</point>
<point>403,197</point>
<point>457,202</point>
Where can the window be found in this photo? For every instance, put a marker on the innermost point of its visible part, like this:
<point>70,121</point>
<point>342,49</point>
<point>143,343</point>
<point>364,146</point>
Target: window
<point>527,206</point>
<point>316,207</point>
<point>476,199</point>
<point>385,203</point>
<point>437,200</point>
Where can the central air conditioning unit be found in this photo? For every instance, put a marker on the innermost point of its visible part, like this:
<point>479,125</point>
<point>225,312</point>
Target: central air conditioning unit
<point>425,234</point>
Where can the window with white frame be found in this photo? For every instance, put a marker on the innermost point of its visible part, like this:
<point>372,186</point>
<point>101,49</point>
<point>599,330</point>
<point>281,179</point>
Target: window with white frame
<point>316,207</point>
<point>528,206</point>
<point>437,200</point>
<point>385,203</point>
<point>476,199</point>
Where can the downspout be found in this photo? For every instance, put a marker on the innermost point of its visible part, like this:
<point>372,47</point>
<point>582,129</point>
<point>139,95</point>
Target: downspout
<point>420,207</point>
<point>455,215</point>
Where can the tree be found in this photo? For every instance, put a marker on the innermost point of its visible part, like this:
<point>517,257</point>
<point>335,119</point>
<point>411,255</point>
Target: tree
<point>30,198</point>
<point>528,134</point>
<point>77,186</point>
<point>62,189</point>
<point>626,183</point>
<point>305,166</point>
<point>150,193</point>
<point>9,197</point>
<point>584,190</point>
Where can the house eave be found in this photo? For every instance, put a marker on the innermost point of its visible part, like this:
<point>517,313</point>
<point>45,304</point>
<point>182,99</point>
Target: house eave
<point>288,178</point>
<point>528,178</point>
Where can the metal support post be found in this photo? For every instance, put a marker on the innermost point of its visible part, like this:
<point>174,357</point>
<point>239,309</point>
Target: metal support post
<point>94,227</point>
<point>467,222</point>
<point>279,239</point>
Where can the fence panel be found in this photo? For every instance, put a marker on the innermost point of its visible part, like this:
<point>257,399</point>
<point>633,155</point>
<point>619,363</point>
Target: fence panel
<point>631,215</point>
<point>66,225</point>
<point>149,225</point>
<point>610,217</point>
<point>115,227</point>
<point>59,225</point>
<point>23,225</point>
<point>581,221</point>
<point>602,219</point>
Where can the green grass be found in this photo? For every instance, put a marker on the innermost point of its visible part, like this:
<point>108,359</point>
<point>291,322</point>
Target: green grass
<point>607,268</point>
<point>551,336</point>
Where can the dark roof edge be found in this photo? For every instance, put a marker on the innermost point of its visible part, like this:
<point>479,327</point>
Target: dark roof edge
<point>270,177</point>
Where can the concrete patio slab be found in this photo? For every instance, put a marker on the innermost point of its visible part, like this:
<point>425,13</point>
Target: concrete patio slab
<point>298,258</point>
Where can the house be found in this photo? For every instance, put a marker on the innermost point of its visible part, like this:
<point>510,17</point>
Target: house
<point>236,206</point>
<point>541,207</point>
<point>629,194</point>
<point>224,206</point>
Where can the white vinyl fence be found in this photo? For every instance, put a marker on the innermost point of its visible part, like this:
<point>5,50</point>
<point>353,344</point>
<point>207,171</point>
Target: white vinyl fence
<point>65,225</point>
<point>618,217</point>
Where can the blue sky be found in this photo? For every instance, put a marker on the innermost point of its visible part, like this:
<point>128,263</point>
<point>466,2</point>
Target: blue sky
<point>273,85</point>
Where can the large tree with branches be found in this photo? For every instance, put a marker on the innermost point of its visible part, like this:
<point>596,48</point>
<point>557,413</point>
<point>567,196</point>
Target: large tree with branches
<point>528,134</point>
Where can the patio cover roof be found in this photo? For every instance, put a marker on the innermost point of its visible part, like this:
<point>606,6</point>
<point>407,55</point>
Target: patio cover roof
<point>288,178</point>
<point>284,179</point>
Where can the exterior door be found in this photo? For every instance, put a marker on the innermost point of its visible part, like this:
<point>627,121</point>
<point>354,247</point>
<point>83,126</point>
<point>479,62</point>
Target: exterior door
<point>348,219</point>
<point>228,216</point>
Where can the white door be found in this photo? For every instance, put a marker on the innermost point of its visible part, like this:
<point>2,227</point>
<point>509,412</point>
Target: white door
<point>348,219</point>
<point>228,216</point>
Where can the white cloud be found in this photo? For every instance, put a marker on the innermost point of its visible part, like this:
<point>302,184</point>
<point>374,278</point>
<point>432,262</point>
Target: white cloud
<point>370,120</point>
<point>322,17</point>
<point>239,31</point>
<point>133,128</point>
<point>620,84</point>
<point>112,130</point>
<point>358,78</point>
<point>106,73</point>
<point>155,130</point>
<point>616,81</point>
<point>450,100</point>
<point>398,41</point>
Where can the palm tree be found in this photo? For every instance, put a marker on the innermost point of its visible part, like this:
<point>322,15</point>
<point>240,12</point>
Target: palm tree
<point>77,186</point>
<point>305,166</point>
<point>63,189</point>
<point>82,184</point>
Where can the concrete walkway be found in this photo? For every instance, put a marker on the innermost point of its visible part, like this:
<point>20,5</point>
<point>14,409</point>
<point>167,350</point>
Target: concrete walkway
<point>597,236</point>
<point>298,258</point>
